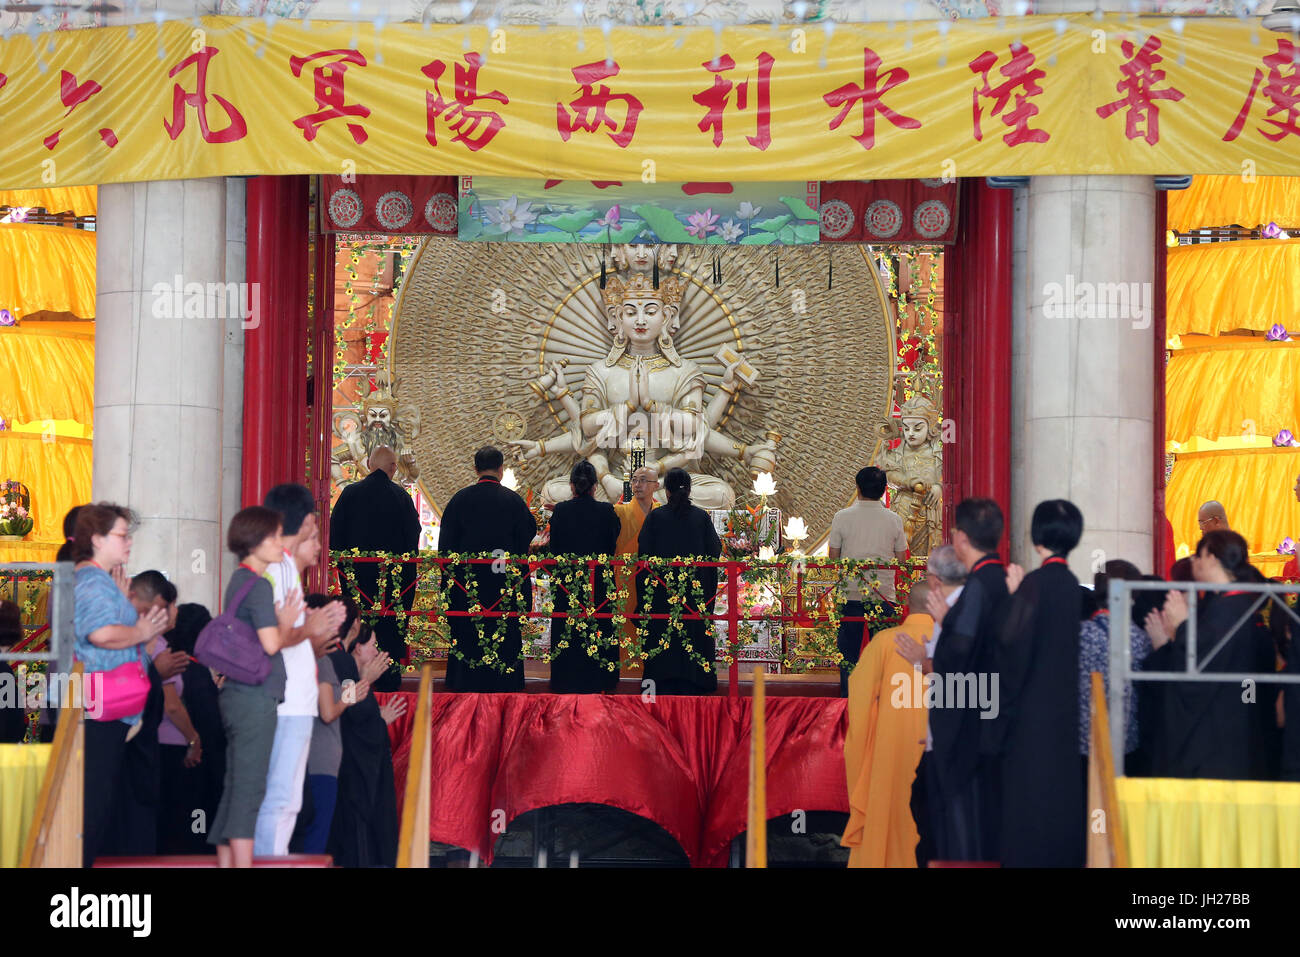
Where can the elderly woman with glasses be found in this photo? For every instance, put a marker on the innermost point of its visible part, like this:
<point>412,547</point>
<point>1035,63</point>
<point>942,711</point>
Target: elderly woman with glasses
<point>109,633</point>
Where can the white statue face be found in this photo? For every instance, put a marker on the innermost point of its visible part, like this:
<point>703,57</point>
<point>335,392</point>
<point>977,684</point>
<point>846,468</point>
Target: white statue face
<point>642,320</point>
<point>640,258</point>
<point>378,416</point>
<point>915,432</point>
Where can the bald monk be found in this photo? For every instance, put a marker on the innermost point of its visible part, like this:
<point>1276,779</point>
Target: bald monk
<point>645,482</point>
<point>1211,516</point>
<point>884,744</point>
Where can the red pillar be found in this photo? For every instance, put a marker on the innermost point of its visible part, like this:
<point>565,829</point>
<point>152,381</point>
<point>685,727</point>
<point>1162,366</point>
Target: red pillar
<point>1162,544</point>
<point>275,346</point>
<point>977,351</point>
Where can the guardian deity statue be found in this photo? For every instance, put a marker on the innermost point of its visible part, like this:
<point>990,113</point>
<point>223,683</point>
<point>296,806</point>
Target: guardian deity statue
<point>915,473</point>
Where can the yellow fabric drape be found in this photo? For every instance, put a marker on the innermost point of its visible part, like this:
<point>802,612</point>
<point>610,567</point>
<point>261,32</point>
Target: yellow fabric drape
<point>78,200</point>
<point>1198,823</point>
<point>1232,385</point>
<point>1254,486</point>
<point>47,375</point>
<point>825,102</point>
<point>1226,200</point>
<point>47,269</point>
<point>56,473</point>
<point>882,749</point>
<point>1219,287</point>
<point>22,770</point>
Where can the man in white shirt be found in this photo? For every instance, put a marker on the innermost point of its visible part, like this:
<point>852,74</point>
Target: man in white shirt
<point>947,577</point>
<point>295,714</point>
<point>864,530</point>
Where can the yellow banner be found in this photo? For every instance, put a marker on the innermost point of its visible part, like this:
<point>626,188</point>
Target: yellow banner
<point>1004,96</point>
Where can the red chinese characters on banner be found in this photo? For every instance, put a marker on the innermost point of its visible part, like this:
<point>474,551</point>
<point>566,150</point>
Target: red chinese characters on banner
<point>1141,77</point>
<point>457,115</point>
<point>1280,90</point>
<point>238,127</point>
<point>1022,82</point>
<point>328,82</point>
<point>715,99</point>
<point>590,109</point>
<point>869,96</point>
<point>73,94</point>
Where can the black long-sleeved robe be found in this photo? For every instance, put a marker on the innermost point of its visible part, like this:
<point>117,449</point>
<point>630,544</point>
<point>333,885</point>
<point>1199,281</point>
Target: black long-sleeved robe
<point>365,828</point>
<point>668,534</point>
<point>1043,797</point>
<point>583,526</point>
<point>376,515</point>
<point>480,518</point>
<point>968,775</point>
<point>1206,730</point>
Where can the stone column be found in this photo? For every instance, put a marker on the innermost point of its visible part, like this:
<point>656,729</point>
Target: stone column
<point>232,432</point>
<point>1083,383</point>
<point>159,373</point>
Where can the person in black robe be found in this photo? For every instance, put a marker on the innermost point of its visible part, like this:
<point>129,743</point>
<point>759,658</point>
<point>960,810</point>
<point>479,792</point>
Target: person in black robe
<point>1205,729</point>
<point>583,527</point>
<point>134,831</point>
<point>377,515</point>
<point>967,772</point>
<point>1290,757</point>
<point>13,721</point>
<point>679,530</point>
<point>482,518</point>
<point>365,828</point>
<point>185,790</point>
<point>1043,792</point>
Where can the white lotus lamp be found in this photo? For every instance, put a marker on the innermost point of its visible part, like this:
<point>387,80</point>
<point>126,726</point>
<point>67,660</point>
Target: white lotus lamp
<point>764,484</point>
<point>766,554</point>
<point>796,531</point>
<point>509,481</point>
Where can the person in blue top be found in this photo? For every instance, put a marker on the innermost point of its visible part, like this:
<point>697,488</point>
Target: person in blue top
<point>108,634</point>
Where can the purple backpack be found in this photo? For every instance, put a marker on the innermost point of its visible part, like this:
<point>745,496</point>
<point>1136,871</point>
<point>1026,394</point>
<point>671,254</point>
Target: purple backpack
<point>231,647</point>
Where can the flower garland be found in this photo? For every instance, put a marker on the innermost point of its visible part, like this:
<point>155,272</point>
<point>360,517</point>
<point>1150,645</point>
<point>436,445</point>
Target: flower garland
<point>666,581</point>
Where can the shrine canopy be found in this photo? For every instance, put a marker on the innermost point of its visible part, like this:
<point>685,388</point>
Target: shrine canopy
<point>1001,96</point>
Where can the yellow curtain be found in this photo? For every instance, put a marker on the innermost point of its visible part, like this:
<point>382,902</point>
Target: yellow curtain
<point>1219,287</point>
<point>47,374</point>
<point>56,473</point>
<point>1230,386</point>
<point>47,269</point>
<point>1254,486</point>
<point>22,770</point>
<point>1226,200</point>
<point>1197,823</point>
<point>78,200</point>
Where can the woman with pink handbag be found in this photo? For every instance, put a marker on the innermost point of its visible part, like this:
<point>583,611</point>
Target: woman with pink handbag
<point>110,640</point>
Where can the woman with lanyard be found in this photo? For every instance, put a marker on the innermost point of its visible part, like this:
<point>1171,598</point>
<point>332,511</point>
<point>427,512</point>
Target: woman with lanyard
<point>1043,797</point>
<point>1205,729</point>
<point>108,634</point>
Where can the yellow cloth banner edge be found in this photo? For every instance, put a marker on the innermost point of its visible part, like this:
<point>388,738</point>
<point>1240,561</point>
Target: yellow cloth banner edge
<point>1210,60</point>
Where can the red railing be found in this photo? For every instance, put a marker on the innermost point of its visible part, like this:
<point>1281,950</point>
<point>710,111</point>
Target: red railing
<point>802,603</point>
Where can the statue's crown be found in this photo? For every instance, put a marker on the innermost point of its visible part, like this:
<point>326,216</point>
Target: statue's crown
<point>640,286</point>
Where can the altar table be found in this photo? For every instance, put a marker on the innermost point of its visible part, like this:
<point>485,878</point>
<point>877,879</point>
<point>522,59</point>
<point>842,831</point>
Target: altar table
<point>682,762</point>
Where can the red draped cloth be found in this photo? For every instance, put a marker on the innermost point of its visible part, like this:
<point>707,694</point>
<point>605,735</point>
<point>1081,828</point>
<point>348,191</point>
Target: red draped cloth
<point>682,762</point>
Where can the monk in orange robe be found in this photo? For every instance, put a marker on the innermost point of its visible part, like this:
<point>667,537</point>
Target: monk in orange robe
<point>884,744</point>
<point>645,482</point>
